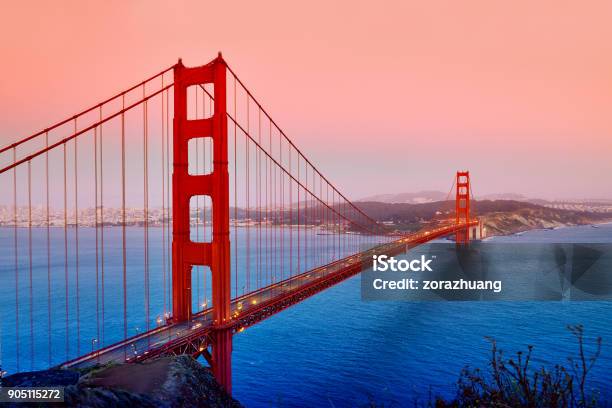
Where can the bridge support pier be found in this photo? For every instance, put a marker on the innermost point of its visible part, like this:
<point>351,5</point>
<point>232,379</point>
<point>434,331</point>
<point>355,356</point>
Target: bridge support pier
<point>222,358</point>
<point>214,254</point>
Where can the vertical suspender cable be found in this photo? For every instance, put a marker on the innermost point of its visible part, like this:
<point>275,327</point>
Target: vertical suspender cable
<point>16,253</point>
<point>298,214</point>
<point>76,238</point>
<point>306,196</point>
<point>101,340</point>
<point>163,179</point>
<point>211,164</point>
<point>205,166</point>
<point>66,249</point>
<point>274,214</point>
<point>345,236</point>
<point>146,210</point>
<point>201,269</point>
<point>290,211</point>
<point>48,249</point>
<point>30,265</point>
<point>123,220</point>
<point>276,222</point>
<point>265,220</point>
<point>235,199</point>
<point>168,202</point>
<point>197,198</point>
<point>258,209</point>
<point>327,222</point>
<point>268,204</point>
<point>258,197</point>
<point>282,207</point>
<point>248,206</point>
<point>97,239</point>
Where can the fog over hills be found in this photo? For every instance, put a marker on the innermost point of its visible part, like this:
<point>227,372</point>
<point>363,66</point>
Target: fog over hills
<point>430,196</point>
<point>407,198</point>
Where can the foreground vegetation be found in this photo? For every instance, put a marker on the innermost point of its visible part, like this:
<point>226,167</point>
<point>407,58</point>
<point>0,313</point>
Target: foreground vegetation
<point>512,382</point>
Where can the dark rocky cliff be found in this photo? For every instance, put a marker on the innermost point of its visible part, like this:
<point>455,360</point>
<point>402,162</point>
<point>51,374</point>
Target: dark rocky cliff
<point>164,382</point>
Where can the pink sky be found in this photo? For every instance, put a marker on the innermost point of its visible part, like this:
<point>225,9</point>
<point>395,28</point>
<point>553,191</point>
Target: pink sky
<point>382,97</point>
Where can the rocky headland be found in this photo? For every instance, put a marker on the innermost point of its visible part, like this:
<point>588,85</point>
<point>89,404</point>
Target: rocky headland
<point>166,382</point>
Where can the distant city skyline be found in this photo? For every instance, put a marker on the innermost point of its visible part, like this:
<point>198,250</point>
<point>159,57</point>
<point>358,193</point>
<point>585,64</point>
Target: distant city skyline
<point>112,214</point>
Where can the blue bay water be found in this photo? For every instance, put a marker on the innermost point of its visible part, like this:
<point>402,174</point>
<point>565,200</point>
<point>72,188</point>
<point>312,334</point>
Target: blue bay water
<point>60,306</point>
<point>331,350</point>
<point>335,350</point>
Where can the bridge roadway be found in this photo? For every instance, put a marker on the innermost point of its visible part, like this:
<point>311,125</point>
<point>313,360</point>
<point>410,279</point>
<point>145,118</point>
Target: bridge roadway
<point>193,337</point>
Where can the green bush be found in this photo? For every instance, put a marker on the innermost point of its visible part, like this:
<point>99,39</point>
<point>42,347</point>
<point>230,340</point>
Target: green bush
<point>513,383</point>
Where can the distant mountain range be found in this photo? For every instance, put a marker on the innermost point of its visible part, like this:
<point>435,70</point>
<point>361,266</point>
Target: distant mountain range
<point>407,198</point>
<point>430,196</point>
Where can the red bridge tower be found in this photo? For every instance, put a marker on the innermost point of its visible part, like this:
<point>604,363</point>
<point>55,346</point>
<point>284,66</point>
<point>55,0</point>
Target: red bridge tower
<point>462,206</point>
<point>214,254</point>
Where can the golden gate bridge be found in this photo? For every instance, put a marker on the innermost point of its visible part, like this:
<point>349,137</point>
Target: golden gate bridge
<point>249,226</point>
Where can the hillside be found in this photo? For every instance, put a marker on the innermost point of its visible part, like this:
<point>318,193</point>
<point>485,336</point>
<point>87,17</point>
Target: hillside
<point>500,217</point>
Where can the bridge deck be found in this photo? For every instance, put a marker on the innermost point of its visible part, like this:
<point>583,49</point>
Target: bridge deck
<point>192,337</point>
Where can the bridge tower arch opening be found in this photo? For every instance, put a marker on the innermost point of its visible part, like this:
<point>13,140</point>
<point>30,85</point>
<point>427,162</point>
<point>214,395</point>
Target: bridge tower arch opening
<point>185,252</point>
